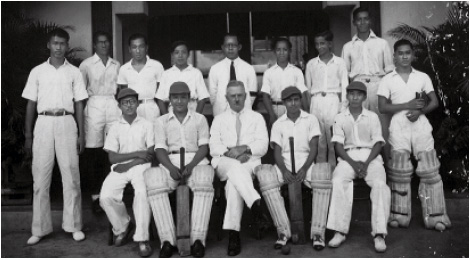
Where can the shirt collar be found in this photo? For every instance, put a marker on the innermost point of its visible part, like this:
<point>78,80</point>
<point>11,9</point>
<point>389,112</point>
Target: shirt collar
<point>189,67</point>
<point>372,35</point>
<point>123,121</point>
<point>97,59</point>
<point>147,64</point>
<point>240,112</point>
<point>365,112</point>
<point>171,115</point>
<point>289,65</point>
<point>66,63</point>
<point>394,72</point>
<point>284,117</point>
<point>236,61</point>
<point>331,61</point>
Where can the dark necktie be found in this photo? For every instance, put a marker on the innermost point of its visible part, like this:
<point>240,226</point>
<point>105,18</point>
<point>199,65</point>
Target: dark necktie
<point>232,71</point>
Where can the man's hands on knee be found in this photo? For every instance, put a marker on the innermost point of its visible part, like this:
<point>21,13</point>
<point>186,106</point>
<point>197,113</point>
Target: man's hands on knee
<point>174,172</point>
<point>235,152</point>
<point>300,175</point>
<point>145,155</point>
<point>288,177</point>
<point>188,170</point>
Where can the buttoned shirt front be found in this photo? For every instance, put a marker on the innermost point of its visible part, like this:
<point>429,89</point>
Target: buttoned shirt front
<point>364,132</point>
<point>330,78</point>
<point>370,57</point>
<point>253,134</point>
<point>127,138</point>
<point>143,82</point>
<point>219,76</point>
<point>302,130</point>
<point>55,89</point>
<point>171,135</point>
<point>393,87</point>
<point>277,79</point>
<point>100,79</point>
<point>190,75</point>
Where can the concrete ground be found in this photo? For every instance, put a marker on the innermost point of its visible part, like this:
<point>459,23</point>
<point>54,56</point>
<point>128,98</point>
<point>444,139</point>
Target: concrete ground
<point>414,241</point>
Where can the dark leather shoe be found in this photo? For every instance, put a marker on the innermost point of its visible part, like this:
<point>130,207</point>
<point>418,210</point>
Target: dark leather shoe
<point>198,249</point>
<point>144,249</point>
<point>123,237</point>
<point>234,244</point>
<point>96,208</point>
<point>167,250</point>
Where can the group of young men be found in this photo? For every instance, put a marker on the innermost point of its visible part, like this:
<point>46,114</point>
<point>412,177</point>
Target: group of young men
<point>127,117</point>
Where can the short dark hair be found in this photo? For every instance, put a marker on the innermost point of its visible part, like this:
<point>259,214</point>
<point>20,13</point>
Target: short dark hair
<point>231,35</point>
<point>328,35</point>
<point>175,44</point>
<point>59,32</point>
<point>138,36</point>
<point>281,39</point>
<point>101,33</point>
<point>402,42</point>
<point>359,10</point>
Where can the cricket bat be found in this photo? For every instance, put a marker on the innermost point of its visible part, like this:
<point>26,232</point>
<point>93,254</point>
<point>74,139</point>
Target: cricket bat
<point>296,205</point>
<point>183,212</point>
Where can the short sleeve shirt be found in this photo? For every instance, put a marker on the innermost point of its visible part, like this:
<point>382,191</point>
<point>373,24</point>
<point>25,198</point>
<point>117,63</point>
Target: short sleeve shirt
<point>55,89</point>
<point>171,135</point>
<point>393,87</point>
<point>364,132</point>
<point>277,79</point>
<point>100,79</point>
<point>127,138</point>
<point>143,82</point>
<point>331,77</point>
<point>302,130</point>
<point>190,75</point>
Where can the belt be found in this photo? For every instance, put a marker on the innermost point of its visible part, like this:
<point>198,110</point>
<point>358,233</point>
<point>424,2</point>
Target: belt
<point>324,93</point>
<point>277,102</point>
<point>368,78</point>
<point>57,113</point>
<point>177,152</point>
<point>355,148</point>
<point>146,100</point>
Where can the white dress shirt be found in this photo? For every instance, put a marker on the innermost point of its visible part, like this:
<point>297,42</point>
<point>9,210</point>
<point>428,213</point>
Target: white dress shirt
<point>190,75</point>
<point>100,79</point>
<point>370,57</point>
<point>143,82</point>
<point>253,134</point>
<point>277,79</point>
<point>55,89</point>
<point>330,78</point>
<point>219,76</point>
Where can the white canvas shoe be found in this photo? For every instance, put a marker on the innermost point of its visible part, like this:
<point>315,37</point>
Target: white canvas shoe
<point>337,240</point>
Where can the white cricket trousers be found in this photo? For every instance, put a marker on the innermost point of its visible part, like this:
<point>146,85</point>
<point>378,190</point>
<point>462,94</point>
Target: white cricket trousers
<point>340,211</point>
<point>239,188</point>
<point>55,136</point>
<point>100,114</point>
<point>111,201</point>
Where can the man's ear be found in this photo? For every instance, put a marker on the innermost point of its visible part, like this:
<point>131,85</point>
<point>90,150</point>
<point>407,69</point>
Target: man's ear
<point>48,45</point>
<point>240,46</point>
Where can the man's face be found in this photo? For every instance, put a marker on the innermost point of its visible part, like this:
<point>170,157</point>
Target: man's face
<point>403,56</point>
<point>180,55</point>
<point>282,52</point>
<point>322,46</point>
<point>362,22</point>
<point>179,102</point>
<point>129,105</point>
<point>138,49</point>
<point>236,97</point>
<point>355,98</point>
<point>102,45</point>
<point>231,47</point>
<point>58,46</point>
<point>293,103</point>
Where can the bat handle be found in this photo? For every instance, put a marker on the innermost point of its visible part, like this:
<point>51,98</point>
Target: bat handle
<point>182,164</point>
<point>292,154</point>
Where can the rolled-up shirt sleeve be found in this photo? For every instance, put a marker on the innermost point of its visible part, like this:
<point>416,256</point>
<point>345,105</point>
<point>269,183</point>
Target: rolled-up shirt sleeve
<point>203,135</point>
<point>275,136</point>
<point>31,89</point>
<point>338,131</point>
<point>160,135</point>
<point>314,129</point>
<point>112,143</point>
<point>200,87</point>
<point>79,88</point>
<point>376,135</point>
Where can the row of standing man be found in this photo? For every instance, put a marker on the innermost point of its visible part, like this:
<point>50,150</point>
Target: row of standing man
<point>351,120</point>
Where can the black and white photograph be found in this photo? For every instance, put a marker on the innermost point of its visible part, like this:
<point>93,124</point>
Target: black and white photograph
<point>249,129</point>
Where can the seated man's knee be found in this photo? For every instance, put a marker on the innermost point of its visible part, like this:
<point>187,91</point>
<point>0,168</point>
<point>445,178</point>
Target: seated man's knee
<point>202,177</point>
<point>156,180</point>
<point>267,176</point>
<point>321,176</point>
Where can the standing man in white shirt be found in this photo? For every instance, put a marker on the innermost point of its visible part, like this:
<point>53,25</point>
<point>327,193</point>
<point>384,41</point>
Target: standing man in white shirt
<point>326,79</point>
<point>238,140</point>
<point>182,71</point>
<point>278,77</point>
<point>101,111</point>
<point>231,68</point>
<point>401,95</point>
<point>368,59</point>
<point>55,89</point>
<point>142,74</point>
